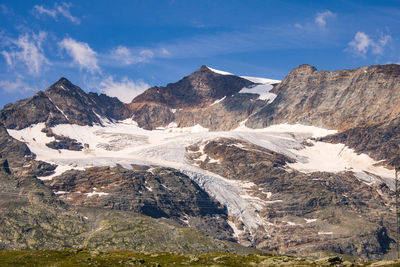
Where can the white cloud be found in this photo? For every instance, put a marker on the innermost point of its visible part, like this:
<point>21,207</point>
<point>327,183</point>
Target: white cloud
<point>145,55</point>
<point>124,55</point>
<point>82,54</point>
<point>362,43</point>
<point>298,26</point>
<point>378,46</point>
<point>8,57</point>
<point>63,9</point>
<point>28,50</point>
<point>59,9</point>
<point>165,52</point>
<point>321,17</point>
<point>16,86</point>
<point>125,89</point>
<point>42,10</point>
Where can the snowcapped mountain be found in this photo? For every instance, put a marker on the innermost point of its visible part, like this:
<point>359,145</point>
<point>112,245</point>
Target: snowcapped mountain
<point>290,166</point>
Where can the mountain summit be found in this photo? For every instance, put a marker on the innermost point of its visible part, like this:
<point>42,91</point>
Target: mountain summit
<point>199,89</point>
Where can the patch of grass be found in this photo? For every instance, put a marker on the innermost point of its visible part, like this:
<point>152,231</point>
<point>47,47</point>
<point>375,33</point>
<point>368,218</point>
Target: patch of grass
<point>84,257</point>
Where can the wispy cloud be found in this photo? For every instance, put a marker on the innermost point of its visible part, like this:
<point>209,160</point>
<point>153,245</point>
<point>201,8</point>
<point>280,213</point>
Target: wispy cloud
<point>6,10</point>
<point>125,56</point>
<point>82,54</point>
<point>321,17</point>
<point>362,43</point>
<point>44,11</point>
<point>27,49</point>
<point>16,86</point>
<point>59,9</point>
<point>319,22</point>
<point>125,89</point>
<point>253,39</point>
<point>122,55</point>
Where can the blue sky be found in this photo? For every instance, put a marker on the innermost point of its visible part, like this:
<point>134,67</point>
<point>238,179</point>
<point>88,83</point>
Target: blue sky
<point>123,47</point>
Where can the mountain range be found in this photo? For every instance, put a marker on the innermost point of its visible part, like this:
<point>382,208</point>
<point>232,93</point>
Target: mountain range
<point>213,162</point>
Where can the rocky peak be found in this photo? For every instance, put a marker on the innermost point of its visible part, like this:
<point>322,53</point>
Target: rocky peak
<point>198,89</point>
<point>62,102</point>
<point>304,69</point>
<point>64,87</point>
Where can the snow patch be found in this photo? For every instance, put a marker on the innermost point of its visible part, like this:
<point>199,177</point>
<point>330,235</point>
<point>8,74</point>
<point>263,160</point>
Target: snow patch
<point>94,193</point>
<point>262,91</point>
<point>325,233</point>
<point>336,158</point>
<point>310,220</point>
<point>260,80</point>
<point>220,71</point>
<point>217,101</point>
<point>262,88</point>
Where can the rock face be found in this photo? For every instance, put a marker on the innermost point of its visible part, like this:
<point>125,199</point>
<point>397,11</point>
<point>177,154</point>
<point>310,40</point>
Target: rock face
<point>156,192</point>
<point>61,103</point>
<point>349,98</point>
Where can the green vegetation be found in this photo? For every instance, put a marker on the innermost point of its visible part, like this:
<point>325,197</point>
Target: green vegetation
<point>80,257</point>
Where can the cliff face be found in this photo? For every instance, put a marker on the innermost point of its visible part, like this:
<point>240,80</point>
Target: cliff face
<point>341,99</point>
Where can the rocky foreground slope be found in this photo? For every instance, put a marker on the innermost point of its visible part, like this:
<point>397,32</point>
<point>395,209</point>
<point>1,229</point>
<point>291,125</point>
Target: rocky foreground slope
<point>190,167</point>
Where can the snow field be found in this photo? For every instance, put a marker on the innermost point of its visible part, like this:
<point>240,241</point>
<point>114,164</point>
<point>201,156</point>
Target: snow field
<point>125,143</point>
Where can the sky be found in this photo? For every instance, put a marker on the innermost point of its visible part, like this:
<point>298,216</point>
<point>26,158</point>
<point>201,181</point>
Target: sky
<point>123,47</point>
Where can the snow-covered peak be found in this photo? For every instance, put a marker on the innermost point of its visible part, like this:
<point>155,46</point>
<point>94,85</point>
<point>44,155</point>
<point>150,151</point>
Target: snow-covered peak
<point>220,71</point>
